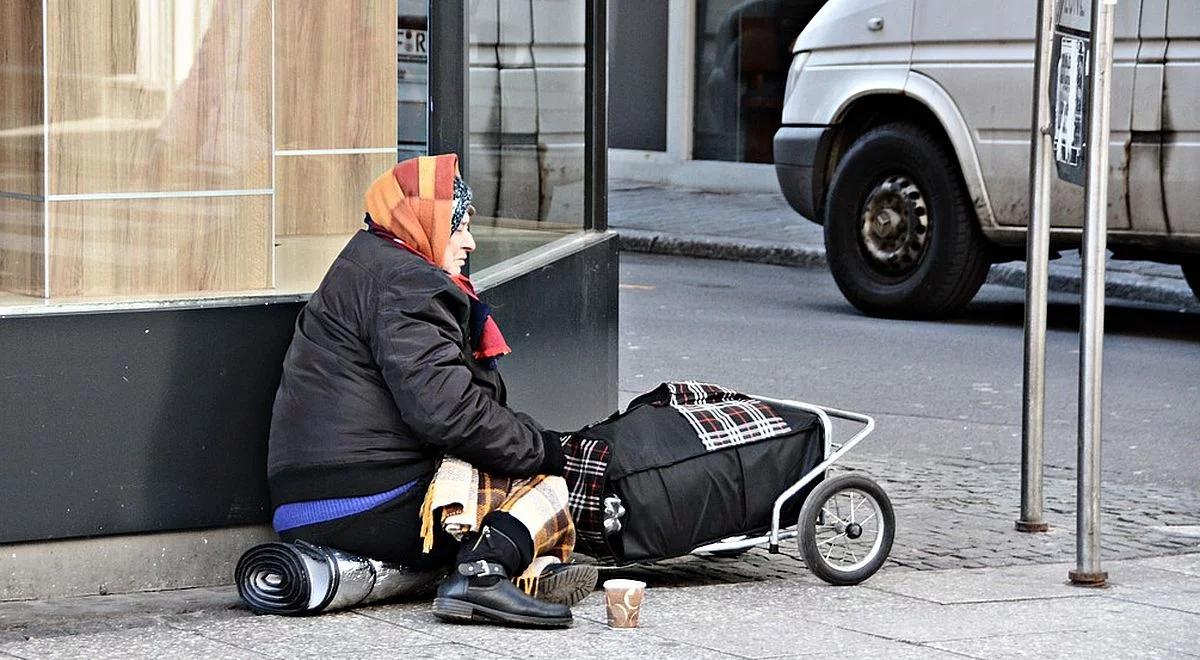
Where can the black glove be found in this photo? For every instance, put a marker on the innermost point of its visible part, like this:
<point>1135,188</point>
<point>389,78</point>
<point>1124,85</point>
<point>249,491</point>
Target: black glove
<point>554,462</point>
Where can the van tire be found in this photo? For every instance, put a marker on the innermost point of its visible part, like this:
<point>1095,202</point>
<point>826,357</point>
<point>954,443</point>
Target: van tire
<point>1191,273</point>
<point>923,254</point>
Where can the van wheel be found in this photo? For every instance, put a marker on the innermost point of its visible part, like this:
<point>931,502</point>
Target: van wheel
<point>901,236</point>
<point>1191,273</point>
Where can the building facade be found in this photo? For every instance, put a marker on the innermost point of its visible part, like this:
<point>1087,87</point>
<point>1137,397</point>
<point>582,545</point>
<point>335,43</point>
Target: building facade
<point>697,89</point>
<point>175,178</point>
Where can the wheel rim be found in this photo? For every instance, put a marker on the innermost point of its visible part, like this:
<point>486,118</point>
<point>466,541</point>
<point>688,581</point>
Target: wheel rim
<point>850,530</point>
<point>894,226</point>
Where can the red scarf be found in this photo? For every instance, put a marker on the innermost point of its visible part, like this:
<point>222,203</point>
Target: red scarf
<point>486,340</point>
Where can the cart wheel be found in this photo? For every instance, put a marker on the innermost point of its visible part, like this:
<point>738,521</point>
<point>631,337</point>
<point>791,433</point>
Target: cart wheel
<point>845,529</point>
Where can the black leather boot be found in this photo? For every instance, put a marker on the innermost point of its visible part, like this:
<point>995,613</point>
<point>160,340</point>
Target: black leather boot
<point>566,583</point>
<point>479,590</point>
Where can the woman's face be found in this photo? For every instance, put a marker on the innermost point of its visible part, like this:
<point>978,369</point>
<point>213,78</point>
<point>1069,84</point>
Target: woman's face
<point>461,244</point>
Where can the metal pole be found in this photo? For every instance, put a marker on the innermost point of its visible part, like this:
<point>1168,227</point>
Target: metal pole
<point>1037,258</point>
<point>1087,515</point>
<point>595,121</point>
<point>450,85</point>
<point>449,81</point>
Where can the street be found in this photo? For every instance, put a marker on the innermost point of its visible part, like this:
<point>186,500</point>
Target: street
<point>947,399</point>
<point>939,388</point>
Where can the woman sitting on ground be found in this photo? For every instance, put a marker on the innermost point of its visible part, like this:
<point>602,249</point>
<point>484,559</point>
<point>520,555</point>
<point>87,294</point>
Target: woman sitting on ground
<point>393,367</point>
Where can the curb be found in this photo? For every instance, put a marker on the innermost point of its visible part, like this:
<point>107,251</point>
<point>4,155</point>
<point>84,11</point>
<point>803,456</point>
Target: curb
<point>715,247</point>
<point>1117,284</point>
<point>1062,278</point>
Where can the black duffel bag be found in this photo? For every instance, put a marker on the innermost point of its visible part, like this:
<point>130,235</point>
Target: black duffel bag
<point>690,463</point>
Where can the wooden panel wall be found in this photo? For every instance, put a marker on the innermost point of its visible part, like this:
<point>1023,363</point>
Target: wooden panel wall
<point>21,97</point>
<point>22,256</point>
<point>176,97</point>
<point>173,124</point>
<point>323,194</point>
<point>335,74</point>
<point>159,246</point>
<point>335,88</point>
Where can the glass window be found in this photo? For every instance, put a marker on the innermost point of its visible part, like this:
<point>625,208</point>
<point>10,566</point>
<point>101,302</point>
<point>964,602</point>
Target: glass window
<point>638,37</point>
<point>172,149</point>
<point>167,149</point>
<point>336,104</point>
<point>412,78</point>
<point>526,124</point>
<point>742,59</point>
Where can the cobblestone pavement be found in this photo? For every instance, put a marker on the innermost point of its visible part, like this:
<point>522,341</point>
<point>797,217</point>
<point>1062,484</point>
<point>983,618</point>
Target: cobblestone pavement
<point>959,513</point>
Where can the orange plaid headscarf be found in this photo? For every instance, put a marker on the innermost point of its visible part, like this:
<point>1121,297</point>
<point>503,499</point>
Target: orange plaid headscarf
<point>414,201</point>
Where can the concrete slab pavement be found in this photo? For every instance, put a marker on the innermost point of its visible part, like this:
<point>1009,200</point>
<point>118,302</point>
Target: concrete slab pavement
<point>1022,611</point>
<point>762,228</point>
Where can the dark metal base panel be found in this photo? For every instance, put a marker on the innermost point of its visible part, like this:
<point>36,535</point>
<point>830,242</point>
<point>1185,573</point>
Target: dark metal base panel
<point>563,369</point>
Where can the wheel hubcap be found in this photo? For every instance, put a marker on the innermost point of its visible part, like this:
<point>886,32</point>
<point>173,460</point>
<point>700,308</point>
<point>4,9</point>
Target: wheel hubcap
<point>895,225</point>
<point>849,532</point>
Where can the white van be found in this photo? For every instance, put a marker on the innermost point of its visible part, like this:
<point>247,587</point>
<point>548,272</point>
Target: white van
<point>906,134</point>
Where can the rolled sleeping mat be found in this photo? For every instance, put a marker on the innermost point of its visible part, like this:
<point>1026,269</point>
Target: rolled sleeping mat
<point>301,578</point>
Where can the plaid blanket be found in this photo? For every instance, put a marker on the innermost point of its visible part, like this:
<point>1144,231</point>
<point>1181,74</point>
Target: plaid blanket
<point>724,418</point>
<point>690,392</point>
<point>587,462</point>
<point>460,496</point>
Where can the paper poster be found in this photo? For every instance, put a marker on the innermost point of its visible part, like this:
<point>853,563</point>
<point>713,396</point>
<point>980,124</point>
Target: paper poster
<point>1070,89</point>
<point>1071,82</point>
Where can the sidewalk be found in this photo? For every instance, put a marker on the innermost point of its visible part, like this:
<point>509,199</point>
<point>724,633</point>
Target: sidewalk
<point>1151,609</point>
<point>762,228</point>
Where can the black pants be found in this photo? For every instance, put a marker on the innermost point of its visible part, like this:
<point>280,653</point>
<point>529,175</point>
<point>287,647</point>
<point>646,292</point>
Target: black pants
<point>390,532</point>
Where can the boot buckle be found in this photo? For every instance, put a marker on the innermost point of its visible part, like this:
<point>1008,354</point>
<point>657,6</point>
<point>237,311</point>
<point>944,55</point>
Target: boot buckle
<point>481,567</point>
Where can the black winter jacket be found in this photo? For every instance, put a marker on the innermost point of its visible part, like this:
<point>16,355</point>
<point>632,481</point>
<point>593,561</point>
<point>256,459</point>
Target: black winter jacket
<point>380,380</point>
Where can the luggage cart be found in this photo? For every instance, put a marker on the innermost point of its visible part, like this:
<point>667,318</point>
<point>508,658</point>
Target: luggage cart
<point>846,524</point>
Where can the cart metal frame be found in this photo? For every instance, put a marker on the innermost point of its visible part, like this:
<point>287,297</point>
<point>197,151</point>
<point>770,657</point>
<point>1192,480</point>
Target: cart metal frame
<point>833,453</point>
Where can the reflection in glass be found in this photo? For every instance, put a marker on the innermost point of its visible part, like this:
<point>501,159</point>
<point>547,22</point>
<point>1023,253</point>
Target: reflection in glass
<point>22,259</point>
<point>153,96</point>
<point>157,248</point>
<point>195,147</point>
<point>742,58</point>
<point>21,111</point>
<point>318,207</point>
<point>339,69</point>
<point>22,212</point>
<point>412,78</point>
<point>526,124</point>
<point>335,75</point>
<point>212,147</point>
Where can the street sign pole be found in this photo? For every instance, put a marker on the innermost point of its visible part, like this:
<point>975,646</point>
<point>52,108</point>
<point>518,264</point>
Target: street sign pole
<point>1037,258</point>
<point>1087,515</point>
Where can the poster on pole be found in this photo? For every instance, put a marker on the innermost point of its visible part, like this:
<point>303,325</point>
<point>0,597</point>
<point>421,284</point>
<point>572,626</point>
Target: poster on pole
<point>1070,89</point>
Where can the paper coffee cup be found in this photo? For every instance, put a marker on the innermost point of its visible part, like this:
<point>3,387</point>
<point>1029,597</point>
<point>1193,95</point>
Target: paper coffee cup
<point>623,600</point>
